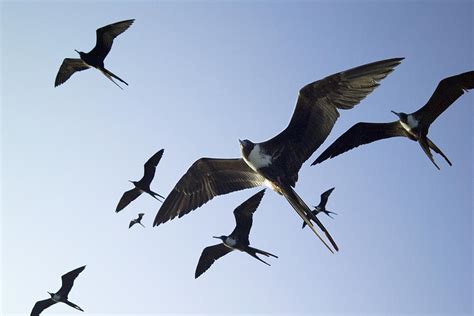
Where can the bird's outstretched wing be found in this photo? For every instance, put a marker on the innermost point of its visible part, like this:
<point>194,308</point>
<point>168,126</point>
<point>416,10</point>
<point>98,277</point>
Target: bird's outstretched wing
<point>68,67</point>
<point>41,306</point>
<point>325,197</point>
<point>316,111</point>
<point>140,216</point>
<point>68,281</point>
<point>360,134</point>
<point>243,217</point>
<point>204,180</point>
<point>132,222</point>
<point>208,256</point>
<point>150,167</point>
<point>448,91</point>
<point>127,197</point>
<point>106,35</point>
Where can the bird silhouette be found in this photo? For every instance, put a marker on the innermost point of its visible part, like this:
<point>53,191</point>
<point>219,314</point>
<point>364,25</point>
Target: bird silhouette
<point>413,126</point>
<point>143,185</point>
<point>321,208</point>
<point>94,58</point>
<point>137,220</point>
<point>61,296</point>
<point>276,162</point>
<point>237,240</point>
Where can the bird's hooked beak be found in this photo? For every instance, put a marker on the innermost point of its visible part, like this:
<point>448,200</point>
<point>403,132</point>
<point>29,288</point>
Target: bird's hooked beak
<point>396,113</point>
<point>216,237</point>
<point>77,51</point>
<point>50,294</point>
<point>241,142</point>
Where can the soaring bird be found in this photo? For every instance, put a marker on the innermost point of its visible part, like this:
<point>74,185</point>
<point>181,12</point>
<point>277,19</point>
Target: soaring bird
<point>143,185</point>
<point>94,58</point>
<point>237,240</point>
<point>137,220</point>
<point>61,295</point>
<point>276,162</point>
<point>321,208</point>
<point>413,126</point>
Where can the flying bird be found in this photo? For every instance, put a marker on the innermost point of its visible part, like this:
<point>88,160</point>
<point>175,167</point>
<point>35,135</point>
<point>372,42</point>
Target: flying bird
<point>276,162</point>
<point>413,126</point>
<point>237,240</point>
<point>143,185</point>
<point>94,58</point>
<point>61,295</point>
<point>321,208</point>
<point>137,220</point>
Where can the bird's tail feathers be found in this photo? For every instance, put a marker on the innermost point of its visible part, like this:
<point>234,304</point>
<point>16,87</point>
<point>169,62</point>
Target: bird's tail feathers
<point>305,213</point>
<point>142,225</point>
<point>267,254</point>
<point>423,141</point>
<point>73,305</point>
<point>328,213</point>
<point>438,151</point>
<point>111,75</point>
<point>157,196</point>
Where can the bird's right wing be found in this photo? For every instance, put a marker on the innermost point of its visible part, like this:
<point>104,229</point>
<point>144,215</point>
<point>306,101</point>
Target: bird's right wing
<point>208,256</point>
<point>150,167</point>
<point>360,134</point>
<point>243,217</point>
<point>68,67</point>
<point>133,222</point>
<point>447,91</point>
<point>325,197</point>
<point>68,281</point>
<point>204,180</point>
<point>41,306</point>
<point>106,35</point>
<point>127,197</point>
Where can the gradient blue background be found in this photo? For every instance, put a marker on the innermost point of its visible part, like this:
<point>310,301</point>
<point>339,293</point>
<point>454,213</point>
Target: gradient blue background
<point>202,75</point>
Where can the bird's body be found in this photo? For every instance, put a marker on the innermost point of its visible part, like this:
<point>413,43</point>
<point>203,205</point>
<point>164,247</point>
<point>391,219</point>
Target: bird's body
<point>276,162</point>
<point>237,240</point>
<point>414,126</point>
<point>94,58</point>
<point>321,207</point>
<point>137,220</point>
<point>61,296</point>
<point>143,185</point>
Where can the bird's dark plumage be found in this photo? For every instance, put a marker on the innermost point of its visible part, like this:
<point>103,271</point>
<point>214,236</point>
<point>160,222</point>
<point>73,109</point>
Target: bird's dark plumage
<point>279,159</point>
<point>143,185</point>
<point>94,58</point>
<point>137,220</point>
<point>448,91</point>
<point>61,295</point>
<point>240,235</point>
<point>322,205</point>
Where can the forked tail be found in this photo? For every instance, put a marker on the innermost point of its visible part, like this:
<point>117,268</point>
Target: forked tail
<point>304,211</point>
<point>111,75</point>
<point>253,252</point>
<point>73,305</point>
<point>438,151</point>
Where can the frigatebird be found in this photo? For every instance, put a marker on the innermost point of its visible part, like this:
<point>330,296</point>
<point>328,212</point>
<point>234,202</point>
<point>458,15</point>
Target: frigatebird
<point>276,162</point>
<point>61,295</point>
<point>94,58</point>
<point>137,220</point>
<point>414,126</point>
<point>237,240</point>
<point>143,185</point>
<point>321,208</point>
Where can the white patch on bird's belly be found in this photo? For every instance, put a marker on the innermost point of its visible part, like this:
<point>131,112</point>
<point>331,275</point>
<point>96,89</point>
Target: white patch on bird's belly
<point>257,159</point>
<point>56,297</point>
<point>411,123</point>
<point>271,186</point>
<point>230,242</point>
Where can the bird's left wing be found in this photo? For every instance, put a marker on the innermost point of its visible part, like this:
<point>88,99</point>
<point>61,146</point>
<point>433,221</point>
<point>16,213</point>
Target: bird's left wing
<point>127,198</point>
<point>243,217</point>
<point>41,306</point>
<point>150,167</point>
<point>68,67</point>
<point>325,197</point>
<point>68,281</point>
<point>316,111</point>
<point>205,179</point>
<point>208,256</point>
<point>448,91</point>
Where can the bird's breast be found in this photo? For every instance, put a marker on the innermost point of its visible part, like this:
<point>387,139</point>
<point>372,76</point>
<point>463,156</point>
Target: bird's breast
<point>56,298</point>
<point>257,159</point>
<point>230,242</point>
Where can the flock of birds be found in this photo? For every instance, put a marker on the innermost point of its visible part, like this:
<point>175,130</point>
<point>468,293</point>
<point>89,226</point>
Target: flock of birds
<point>274,163</point>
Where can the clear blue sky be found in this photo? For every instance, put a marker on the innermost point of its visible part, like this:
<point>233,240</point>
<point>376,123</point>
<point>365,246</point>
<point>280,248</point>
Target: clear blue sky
<point>202,75</point>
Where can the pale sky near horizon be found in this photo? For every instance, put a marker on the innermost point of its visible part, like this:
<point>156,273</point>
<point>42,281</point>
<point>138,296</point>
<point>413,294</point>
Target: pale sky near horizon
<point>203,74</point>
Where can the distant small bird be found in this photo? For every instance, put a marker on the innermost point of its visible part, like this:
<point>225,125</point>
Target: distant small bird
<point>144,184</point>
<point>61,295</point>
<point>276,162</point>
<point>321,208</point>
<point>237,240</point>
<point>94,58</point>
<point>414,126</point>
<point>137,220</point>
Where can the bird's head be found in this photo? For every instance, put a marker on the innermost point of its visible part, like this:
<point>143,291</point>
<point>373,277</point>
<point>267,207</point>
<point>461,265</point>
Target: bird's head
<point>51,294</point>
<point>134,182</point>
<point>402,116</point>
<point>220,237</point>
<point>80,53</point>
<point>246,147</point>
